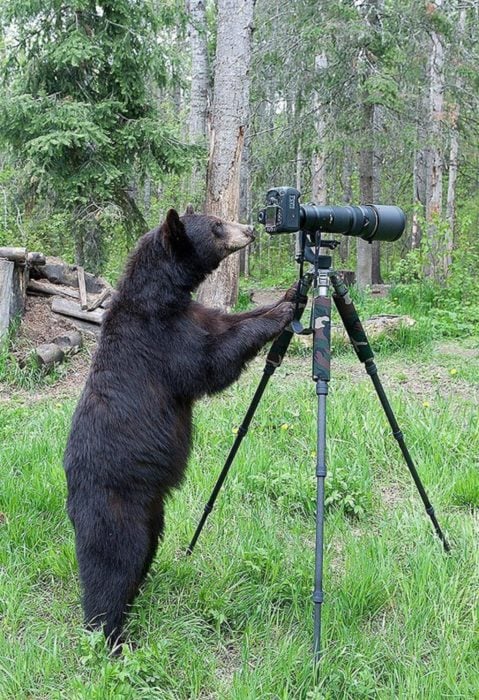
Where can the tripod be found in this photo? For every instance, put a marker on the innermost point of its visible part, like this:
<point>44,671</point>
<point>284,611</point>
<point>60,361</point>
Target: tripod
<point>320,279</point>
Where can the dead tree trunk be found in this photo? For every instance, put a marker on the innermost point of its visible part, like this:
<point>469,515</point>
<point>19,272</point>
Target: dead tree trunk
<point>453,160</point>
<point>197,126</point>
<point>229,118</point>
<point>434,154</point>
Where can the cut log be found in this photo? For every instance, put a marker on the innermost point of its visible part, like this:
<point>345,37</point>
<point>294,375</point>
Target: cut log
<point>70,308</point>
<point>14,254</point>
<point>90,328</point>
<point>59,272</point>
<point>82,287</point>
<point>6,286</point>
<point>101,298</point>
<point>52,289</point>
<point>47,355</point>
<point>70,342</point>
<point>36,259</point>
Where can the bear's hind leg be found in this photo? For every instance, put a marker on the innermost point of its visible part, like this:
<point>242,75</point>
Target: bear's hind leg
<point>156,527</point>
<point>111,566</point>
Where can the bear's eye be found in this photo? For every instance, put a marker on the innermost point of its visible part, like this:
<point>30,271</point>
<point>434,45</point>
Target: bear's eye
<point>218,229</point>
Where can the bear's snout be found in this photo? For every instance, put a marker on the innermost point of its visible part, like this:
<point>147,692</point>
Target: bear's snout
<point>237,236</point>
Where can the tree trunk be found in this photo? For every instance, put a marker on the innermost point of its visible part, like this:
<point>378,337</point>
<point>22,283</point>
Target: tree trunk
<point>347,185</point>
<point>197,126</point>
<point>364,258</point>
<point>434,154</point>
<point>245,202</point>
<point>369,154</point>
<point>376,249</point>
<point>453,160</point>
<point>318,164</point>
<point>229,118</point>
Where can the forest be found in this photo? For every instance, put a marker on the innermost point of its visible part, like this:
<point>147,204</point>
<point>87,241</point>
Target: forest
<point>112,112</point>
<point>108,111</point>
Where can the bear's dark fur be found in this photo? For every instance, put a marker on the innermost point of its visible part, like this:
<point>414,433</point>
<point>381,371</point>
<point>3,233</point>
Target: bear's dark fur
<point>128,447</point>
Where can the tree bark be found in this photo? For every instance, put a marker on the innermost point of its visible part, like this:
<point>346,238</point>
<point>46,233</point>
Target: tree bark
<point>364,258</point>
<point>318,164</point>
<point>197,126</point>
<point>229,118</point>
<point>453,160</point>
<point>434,153</point>
<point>376,277</point>
<point>369,155</point>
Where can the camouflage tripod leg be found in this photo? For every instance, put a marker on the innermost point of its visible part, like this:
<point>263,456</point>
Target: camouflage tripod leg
<point>321,375</point>
<point>363,350</point>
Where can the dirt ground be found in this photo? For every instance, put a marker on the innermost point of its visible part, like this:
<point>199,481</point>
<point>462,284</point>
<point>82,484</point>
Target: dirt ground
<point>422,377</point>
<point>40,325</point>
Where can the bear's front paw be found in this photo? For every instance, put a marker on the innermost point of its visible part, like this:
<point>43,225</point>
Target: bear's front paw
<point>282,314</point>
<point>290,295</point>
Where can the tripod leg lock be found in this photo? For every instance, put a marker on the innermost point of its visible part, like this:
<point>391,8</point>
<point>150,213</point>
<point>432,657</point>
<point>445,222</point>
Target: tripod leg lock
<point>398,435</point>
<point>371,368</point>
<point>318,597</point>
<point>321,388</point>
<point>321,470</point>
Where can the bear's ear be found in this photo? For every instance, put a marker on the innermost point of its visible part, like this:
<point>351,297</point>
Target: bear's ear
<point>189,210</point>
<point>174,234</point>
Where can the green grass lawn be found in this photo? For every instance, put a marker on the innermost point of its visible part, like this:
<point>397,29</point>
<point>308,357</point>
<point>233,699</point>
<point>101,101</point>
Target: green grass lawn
<point>400,618</point>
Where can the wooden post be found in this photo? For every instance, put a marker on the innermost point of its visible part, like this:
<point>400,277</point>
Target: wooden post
<point>82,287</point>
<point>6,286</point>
<point>19,290</point>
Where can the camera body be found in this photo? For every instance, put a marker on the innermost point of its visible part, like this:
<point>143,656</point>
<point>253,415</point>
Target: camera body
<point>282,211</point>
<point>284,214</point>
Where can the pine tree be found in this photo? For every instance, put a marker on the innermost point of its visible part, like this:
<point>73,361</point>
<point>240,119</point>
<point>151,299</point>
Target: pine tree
<point>77,111</point>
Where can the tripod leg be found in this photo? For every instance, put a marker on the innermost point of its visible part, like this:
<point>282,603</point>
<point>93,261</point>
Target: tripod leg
<point>273,360</point>
<point>365,354</point>
<point>321,375</point>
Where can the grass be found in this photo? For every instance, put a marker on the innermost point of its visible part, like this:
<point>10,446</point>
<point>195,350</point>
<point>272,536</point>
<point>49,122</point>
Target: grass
<point>235,620</point>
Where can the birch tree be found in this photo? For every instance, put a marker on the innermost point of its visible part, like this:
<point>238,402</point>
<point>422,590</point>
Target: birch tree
<point>228,124</point>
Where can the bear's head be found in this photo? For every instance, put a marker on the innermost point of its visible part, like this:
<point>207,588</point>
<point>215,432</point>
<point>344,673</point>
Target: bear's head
<point>200,242</point>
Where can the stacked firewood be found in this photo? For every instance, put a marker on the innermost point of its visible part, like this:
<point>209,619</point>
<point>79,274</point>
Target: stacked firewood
<point>81,296</point>
<point>70,291</point>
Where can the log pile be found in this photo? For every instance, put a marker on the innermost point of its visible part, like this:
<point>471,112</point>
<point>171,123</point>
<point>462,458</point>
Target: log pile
<point>70,292</point>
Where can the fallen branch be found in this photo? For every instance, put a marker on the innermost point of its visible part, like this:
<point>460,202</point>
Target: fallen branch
<point>100,299</point>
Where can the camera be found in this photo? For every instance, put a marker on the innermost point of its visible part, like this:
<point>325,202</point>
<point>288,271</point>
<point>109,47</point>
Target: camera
<point>283,213</point>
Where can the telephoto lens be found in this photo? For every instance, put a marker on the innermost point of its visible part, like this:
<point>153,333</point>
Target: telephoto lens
<point>371,222</point>
<point>283,213</point>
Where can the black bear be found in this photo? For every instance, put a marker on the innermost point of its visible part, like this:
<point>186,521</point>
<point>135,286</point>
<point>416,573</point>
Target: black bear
<point>128,447</point>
